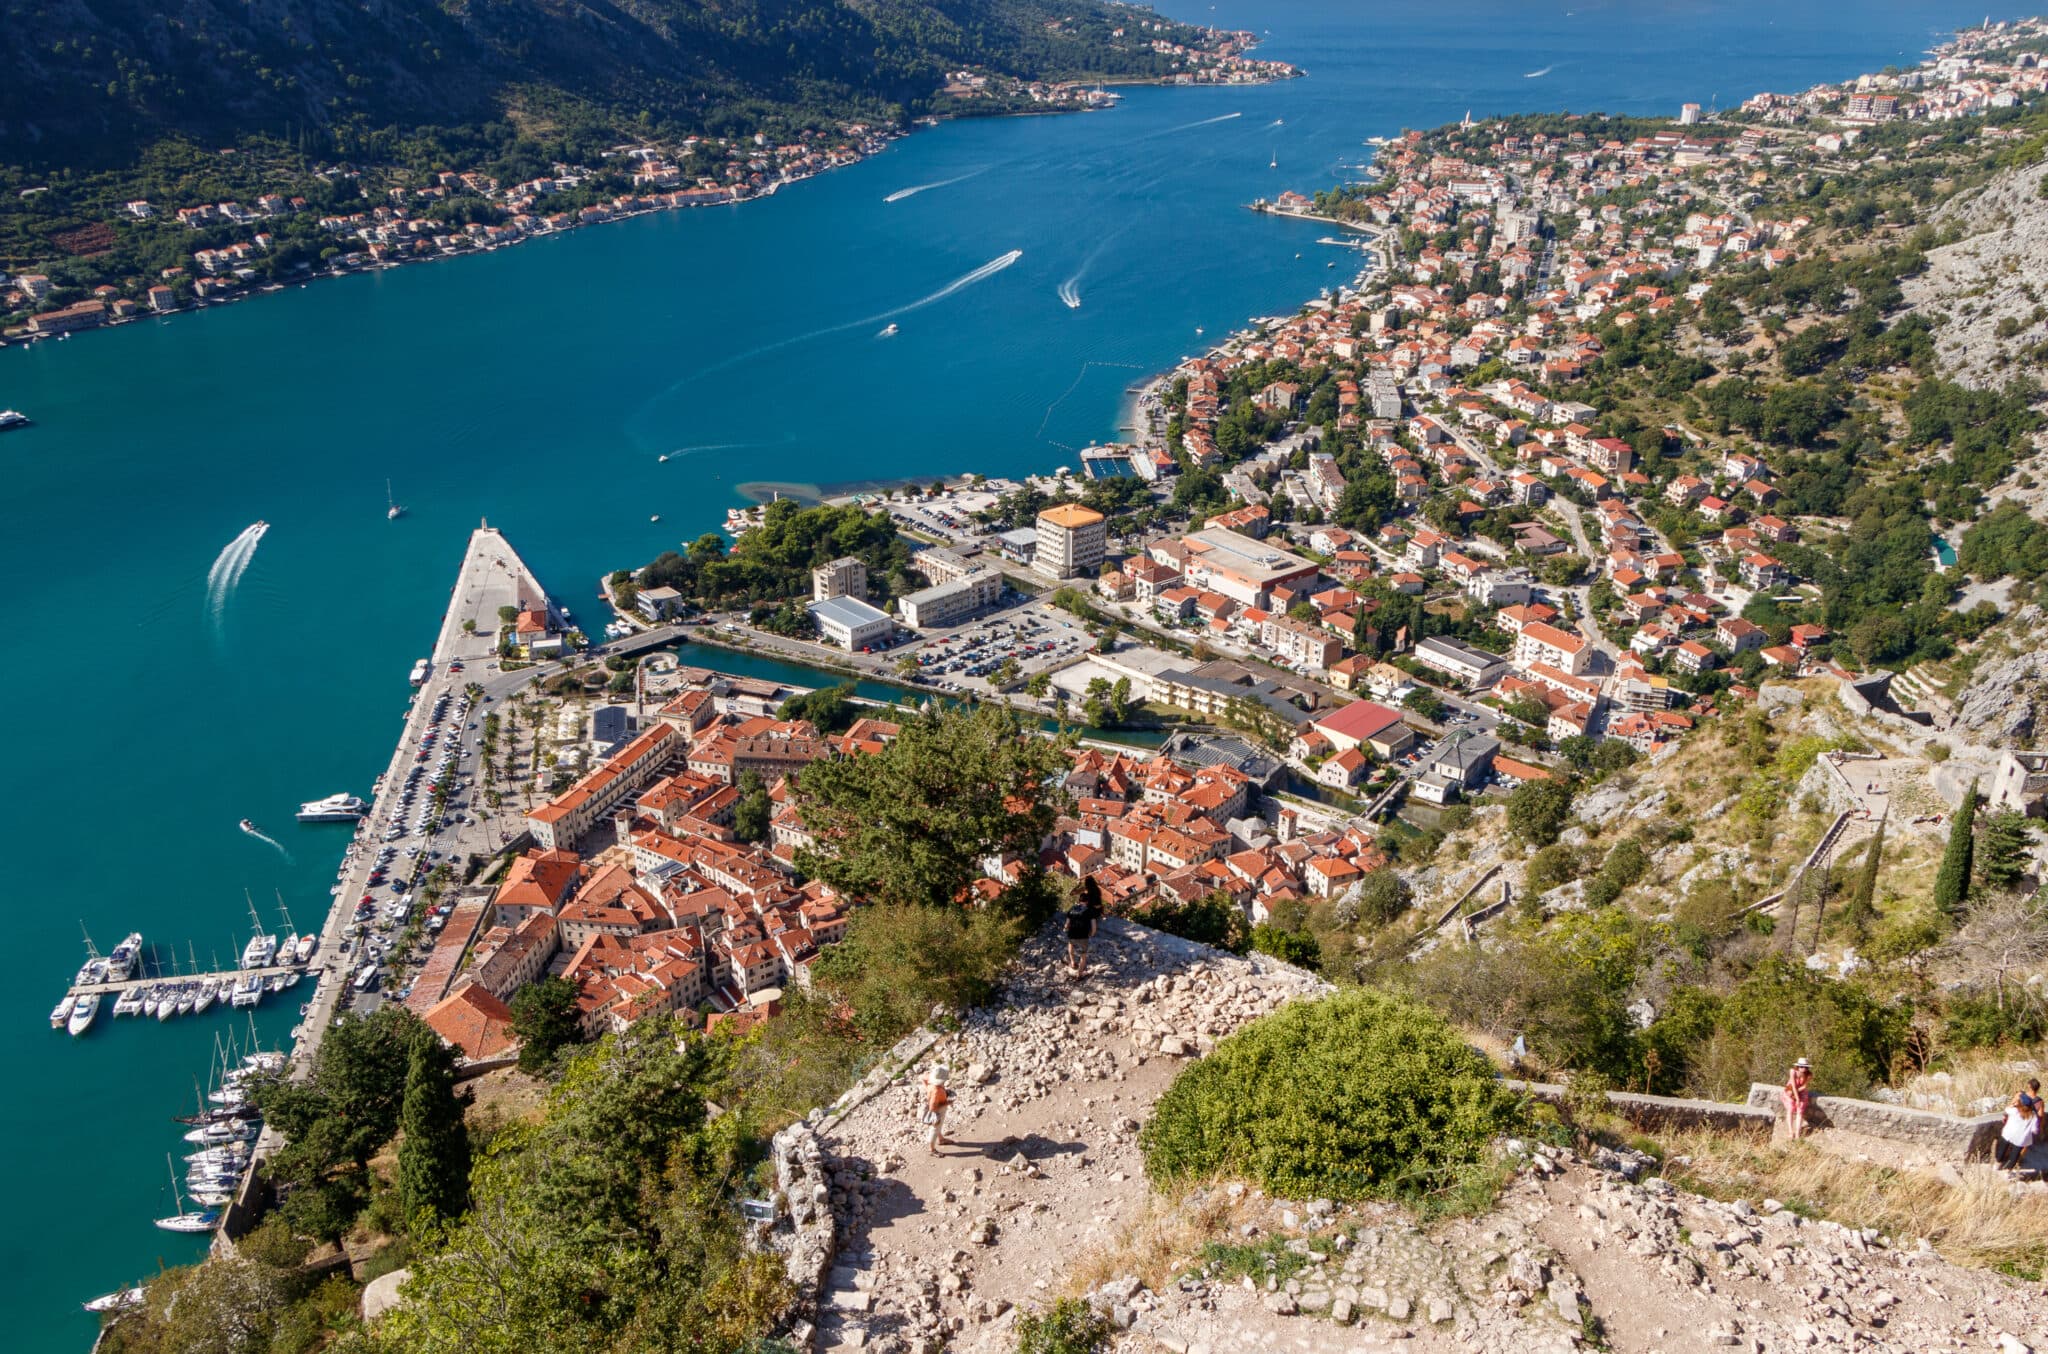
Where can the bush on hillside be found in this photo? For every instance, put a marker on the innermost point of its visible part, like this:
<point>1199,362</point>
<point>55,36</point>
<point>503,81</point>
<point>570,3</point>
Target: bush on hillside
<point>1358,1095</point>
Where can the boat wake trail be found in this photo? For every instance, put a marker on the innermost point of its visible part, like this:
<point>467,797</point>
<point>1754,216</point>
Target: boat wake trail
<point>915,189</point>
<point>958,284</point>
<point>1538,75</point>
<point>272,842</point>
<point>1205,122</point>
<point>228,568</point>
<point>1069,291</point>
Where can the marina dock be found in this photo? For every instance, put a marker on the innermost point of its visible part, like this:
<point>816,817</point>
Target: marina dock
<point>224,976</point>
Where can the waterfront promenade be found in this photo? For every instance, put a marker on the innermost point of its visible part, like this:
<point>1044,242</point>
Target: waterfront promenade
<point>492,576</point>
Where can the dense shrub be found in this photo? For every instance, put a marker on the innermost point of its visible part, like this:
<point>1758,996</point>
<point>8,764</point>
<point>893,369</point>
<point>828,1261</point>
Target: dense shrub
<point>1359,1095</point>
<point>1070,1327</point>
<point>1784,1010</point>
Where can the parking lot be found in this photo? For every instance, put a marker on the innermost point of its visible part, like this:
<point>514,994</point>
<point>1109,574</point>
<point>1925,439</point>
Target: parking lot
<point>949,516</point>
<point>968,657</point>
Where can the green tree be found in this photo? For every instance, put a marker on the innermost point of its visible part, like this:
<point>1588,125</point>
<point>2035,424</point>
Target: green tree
<point>751,814</point>
<point>913,823</point>
<point>1952,880</point>
<point>1037,685</point>
<point>1862,907</point>
<point>1383,895</point>
<point>545,1018</point>
<point>1537,810</point>
<point>433,1156</point>
<point>2004,860</point>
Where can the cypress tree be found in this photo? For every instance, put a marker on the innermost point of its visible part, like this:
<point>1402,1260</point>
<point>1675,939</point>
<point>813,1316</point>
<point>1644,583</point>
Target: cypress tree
<point>1952,881</point>
<point>433,1157</point>
<point>1863,897</point>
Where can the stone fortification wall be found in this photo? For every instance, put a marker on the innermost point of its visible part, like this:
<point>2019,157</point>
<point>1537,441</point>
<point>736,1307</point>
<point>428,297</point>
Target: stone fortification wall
<point>1948,1137</point>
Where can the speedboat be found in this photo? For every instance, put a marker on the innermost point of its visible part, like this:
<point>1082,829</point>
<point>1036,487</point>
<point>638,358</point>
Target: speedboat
<point>248,825</point>
<point>304,951</point>
<point>12,418</point>
<point>82,1014</point>
<point>62,1012</point>
<point>891,332</point>
<point>336,808</point>
<point>119,1301</point>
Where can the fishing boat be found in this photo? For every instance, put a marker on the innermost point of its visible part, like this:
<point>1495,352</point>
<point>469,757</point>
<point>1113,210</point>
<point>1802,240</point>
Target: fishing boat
<point>184,1220</point>
<point>82,1014</point>
<point>61,1013</point>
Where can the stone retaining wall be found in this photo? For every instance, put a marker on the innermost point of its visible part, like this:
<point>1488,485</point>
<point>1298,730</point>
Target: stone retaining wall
<point>1667,1112</point>
<point>1948,1137</point>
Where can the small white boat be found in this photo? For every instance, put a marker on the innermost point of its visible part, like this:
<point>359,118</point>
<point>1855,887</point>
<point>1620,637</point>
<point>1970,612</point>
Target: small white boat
<point>60,1015</point>
<point>12,418</point>
<point>392,509</point>
<point>82,1014</point>
<point>202,1221</point>
<point>119,1301</point>
<point>891,332</point>
<point>655,518</point>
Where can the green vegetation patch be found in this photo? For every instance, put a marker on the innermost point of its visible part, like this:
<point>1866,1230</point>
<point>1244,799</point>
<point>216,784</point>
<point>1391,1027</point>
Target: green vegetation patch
<point>1360,1095</point>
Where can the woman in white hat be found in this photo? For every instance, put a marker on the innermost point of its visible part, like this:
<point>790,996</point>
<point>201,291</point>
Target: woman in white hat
<point>1797,1093</point>
<point>936,1098</point>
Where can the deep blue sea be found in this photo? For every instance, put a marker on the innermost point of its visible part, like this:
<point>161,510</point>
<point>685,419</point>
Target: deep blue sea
<point>537,386</point>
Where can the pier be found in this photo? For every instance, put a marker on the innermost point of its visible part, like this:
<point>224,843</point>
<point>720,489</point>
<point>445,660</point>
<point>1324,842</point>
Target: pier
<point>227,977</point>
<point>492,576</point>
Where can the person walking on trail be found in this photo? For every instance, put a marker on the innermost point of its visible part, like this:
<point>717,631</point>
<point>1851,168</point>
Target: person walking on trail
<point>2022,1126</point>
<point>1081,920</point>
<point>936,1099</point>
<point>1797,1093</point>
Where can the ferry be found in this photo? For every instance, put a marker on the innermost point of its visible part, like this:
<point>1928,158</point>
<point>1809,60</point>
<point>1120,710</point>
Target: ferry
<point>338,808</point>
<point>12,418</point>
<point>82,1014</point>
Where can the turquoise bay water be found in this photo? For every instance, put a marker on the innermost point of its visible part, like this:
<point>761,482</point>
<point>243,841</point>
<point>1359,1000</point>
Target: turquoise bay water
<point>537,386</point>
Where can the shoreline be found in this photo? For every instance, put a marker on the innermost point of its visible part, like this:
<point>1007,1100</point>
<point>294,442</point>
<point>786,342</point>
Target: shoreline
<point>879,141</point>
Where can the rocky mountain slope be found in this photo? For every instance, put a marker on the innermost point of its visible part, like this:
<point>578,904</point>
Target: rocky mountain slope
<point>1041,1194</point>
<point>1984,293</point>
<point>90,81</point>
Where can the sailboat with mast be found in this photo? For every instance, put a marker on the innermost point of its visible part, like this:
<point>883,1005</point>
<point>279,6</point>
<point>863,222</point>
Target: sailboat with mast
<point>393,509</point>
<point>186,1220</point>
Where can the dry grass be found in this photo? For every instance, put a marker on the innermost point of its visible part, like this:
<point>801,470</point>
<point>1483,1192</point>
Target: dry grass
<point>1978,1083</point>
<point>1985,1220</point>
<point>1166,1240</point>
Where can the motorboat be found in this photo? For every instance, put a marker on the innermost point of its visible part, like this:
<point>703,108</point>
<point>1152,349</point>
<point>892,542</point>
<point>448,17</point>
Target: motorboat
<point>121,963</point>
<point>248,825</point>
<point>891,332</point>
<point>61,1013</point>
<point>12,418</point>
<point>118,1301</point>
<point>82,1014</point>
<point>336,808</point>
<point>303,952</point>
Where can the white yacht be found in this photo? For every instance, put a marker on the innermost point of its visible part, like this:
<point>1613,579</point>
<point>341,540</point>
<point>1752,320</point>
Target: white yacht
<point>82,1014</point>
<point>247,992</point>
<point>12,418</point>
<point>341,808</point>
<point>61,1014</point>
<point>129,1002</point>
<point>260,952</point>
<point>204,997</point>
<point>304,950</point>
<point>121,963</point>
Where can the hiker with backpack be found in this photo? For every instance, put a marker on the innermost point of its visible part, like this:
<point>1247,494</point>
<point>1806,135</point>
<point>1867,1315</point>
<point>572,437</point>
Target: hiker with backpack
<point>1081,920</point>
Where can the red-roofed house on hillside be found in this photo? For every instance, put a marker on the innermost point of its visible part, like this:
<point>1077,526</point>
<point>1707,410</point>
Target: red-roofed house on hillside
<point>474,1021</point>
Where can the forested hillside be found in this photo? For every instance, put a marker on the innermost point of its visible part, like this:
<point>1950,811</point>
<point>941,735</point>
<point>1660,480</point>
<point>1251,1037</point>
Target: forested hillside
<point>89,83</point>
